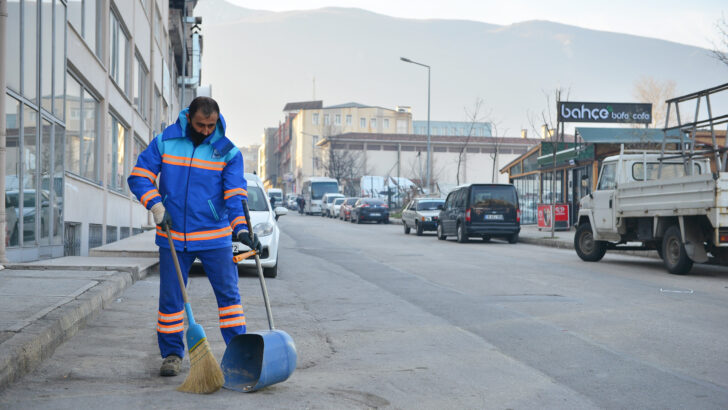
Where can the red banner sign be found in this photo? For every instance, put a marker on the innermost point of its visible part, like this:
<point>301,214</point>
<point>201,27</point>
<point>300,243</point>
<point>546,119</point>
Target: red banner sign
<point>562,216</point>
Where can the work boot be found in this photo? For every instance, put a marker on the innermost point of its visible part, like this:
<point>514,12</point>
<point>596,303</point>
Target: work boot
<point>170,366</point>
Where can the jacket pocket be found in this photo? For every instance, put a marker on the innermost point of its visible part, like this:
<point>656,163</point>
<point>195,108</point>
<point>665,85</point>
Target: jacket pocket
<point>212,208</point>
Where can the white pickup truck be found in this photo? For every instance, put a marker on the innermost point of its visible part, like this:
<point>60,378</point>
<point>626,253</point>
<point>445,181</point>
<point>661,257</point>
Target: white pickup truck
<point>684,217</point>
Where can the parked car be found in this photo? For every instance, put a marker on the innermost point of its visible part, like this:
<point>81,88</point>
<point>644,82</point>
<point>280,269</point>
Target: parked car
<point>483,210</point>
<point>422,214</point>
<point>264,220</point>
<point>370,209</point>
<point>345,210</point>
<point>327,201</point>
<point>291,202</point>
<point>336,206</point>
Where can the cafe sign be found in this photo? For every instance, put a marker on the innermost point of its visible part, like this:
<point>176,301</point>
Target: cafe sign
<point>570,111</point>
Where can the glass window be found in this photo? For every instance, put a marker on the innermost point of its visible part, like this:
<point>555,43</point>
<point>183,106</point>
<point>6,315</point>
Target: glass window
<point>118,138</point>
<point>75,14</point>
<point>139,146</point>
<point>385,123</point>
<point>46,55</point>
<point>516,169</point>
<point>158,27</point>
<point>362,122</point>
<point>81,130</point>
<point>327,120</point>
<point>608,178</point>
<point>669,170</point>
<point>82,14</point>
<point>140,86</point>
<point>337,119</point>
<point>373,122</point>
<point>90,19</point>
<point>546,190</point>
<point>119,49</point>
<point>13,46</point>
<point>45,184</point>
<point>348,119</point>
<point>30,63</point>
<point>30,182</point>
<point>12,166</point>
<point>157,125</point>
<point>530,163</point>
<point>315,118</point>
<point>57,190</point>
<point>59,58</point>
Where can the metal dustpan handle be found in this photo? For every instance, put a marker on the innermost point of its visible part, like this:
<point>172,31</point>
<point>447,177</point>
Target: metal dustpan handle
<point>260,268</point>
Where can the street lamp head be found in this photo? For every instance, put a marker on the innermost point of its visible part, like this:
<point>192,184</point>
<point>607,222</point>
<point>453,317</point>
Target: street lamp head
<point>406,60</point>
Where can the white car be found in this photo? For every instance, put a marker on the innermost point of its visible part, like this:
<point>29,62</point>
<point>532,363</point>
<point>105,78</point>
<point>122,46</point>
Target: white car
<point>265,225</point>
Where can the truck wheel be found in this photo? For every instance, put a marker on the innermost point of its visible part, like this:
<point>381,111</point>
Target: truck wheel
<point>586,247</point>
<point>420,228</point>
<point>673,252</point>
<point>440,234</point>
<point>406,228</point>
<point>513,238</point>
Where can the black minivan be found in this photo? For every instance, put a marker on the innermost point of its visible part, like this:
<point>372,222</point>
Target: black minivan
<point>483,210</point>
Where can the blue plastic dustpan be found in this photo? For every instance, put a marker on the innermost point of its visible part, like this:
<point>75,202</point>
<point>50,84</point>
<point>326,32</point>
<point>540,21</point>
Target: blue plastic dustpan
<point>258,359</point>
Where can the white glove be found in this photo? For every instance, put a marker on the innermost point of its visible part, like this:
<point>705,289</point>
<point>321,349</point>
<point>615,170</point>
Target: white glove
<point>158,212</point>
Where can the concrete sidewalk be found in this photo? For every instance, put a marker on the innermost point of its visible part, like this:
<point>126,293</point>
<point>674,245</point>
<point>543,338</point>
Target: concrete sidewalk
<point>44,303</point>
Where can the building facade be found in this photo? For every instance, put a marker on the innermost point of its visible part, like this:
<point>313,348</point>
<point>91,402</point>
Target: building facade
<point>311,125</point>
<point>455,160</point>
<point>454,128</point>
<point>89,84</point>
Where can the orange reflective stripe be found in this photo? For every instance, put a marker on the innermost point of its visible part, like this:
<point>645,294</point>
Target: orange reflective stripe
<point>148,196</point>
<point>170,329</point>
<point>193,162</point>
<point>218,163</point>
<point>237,221</point>
<point>211,237</point>
<point>197,236</point>
<point>236,321</point>
<point>144,173</point>
<point>226,311</point>
<point>170,317</point>
<point>175,235</point>
<point>232,192</point>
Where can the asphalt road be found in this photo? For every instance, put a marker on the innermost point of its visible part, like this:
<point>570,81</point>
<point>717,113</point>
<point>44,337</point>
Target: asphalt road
<point>381,319</point>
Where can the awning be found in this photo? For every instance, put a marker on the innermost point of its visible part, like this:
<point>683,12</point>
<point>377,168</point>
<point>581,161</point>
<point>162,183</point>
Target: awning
<point>624,135</point>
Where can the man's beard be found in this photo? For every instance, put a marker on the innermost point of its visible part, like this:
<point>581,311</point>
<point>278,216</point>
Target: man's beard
<point>195,136</point>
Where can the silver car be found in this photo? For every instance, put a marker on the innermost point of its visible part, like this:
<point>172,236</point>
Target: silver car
<point>421,214</point>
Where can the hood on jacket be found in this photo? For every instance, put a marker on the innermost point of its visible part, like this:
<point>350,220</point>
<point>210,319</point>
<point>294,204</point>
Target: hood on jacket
<point>216,135</point>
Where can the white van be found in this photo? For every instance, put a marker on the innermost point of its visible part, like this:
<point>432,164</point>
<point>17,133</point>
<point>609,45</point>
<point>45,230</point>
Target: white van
<point>327,203</point>
<point>313,189</point>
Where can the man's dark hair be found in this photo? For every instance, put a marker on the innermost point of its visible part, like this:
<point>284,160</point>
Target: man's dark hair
<point>204,104</point>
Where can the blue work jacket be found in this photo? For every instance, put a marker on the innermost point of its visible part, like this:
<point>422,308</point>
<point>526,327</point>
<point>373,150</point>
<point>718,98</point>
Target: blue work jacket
<point>201,187</point>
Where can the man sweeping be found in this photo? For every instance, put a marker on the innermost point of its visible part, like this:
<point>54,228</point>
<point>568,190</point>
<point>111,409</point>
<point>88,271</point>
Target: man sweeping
<point>201,188</point>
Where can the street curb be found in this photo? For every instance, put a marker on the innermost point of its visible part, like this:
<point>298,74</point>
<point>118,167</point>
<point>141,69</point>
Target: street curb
<point>27,349</point>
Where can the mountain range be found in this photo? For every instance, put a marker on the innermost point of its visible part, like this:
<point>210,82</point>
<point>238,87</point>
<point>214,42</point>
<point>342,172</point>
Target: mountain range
<point>257,61</point>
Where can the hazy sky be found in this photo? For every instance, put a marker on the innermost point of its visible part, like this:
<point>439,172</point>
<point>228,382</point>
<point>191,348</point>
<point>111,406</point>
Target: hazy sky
<point>685,21</point>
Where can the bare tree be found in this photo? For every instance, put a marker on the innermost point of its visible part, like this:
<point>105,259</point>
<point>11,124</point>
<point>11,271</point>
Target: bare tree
<point>720,52</point>
<point>649,90</point>
<point>496,139</point>
<point>344,165</point>
<point>555,136</point>
<point>473,118</point>
<point>418,171</point>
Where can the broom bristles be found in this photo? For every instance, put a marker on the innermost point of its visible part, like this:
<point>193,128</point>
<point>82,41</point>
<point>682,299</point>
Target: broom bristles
<point>205,375</point>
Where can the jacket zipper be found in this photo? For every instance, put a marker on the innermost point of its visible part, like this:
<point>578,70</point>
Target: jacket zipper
<point>187,191</point>
<point>212,208</point>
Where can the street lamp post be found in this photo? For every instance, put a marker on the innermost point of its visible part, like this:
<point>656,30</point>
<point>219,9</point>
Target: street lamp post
<point>429,147</point>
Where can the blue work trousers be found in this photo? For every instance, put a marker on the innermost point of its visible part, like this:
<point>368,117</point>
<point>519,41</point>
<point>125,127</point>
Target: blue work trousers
<point>223,275</point>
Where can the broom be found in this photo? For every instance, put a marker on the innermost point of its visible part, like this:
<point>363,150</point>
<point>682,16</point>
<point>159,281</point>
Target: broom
<point>205,375</point>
